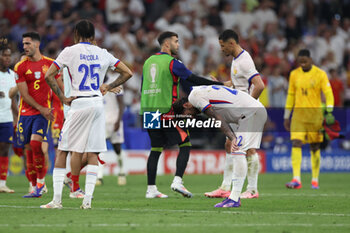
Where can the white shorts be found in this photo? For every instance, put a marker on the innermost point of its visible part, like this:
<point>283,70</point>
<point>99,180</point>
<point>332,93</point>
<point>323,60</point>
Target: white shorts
<point>84,128</point>
<point>249,131</point>
<point>116,137</point>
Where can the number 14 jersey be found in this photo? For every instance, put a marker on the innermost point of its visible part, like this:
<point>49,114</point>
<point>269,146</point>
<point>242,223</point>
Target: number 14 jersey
<point>87,66</point>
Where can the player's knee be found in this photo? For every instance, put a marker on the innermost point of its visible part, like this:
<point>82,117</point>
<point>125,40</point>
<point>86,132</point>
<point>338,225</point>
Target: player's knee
<point>251,152</point>
<point>36,147</point>
<point>297,143</point>
<point>315,146</point>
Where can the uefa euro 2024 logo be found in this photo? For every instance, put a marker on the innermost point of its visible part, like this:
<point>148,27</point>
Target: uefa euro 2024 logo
<point>151,120</point>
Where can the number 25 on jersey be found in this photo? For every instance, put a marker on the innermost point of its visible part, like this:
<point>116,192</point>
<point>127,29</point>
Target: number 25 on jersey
<point>91,78</point>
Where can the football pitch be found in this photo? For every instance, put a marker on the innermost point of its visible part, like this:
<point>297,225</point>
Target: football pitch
<point>125,209</point>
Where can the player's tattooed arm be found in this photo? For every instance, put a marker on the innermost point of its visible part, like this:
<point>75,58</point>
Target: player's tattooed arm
<point>125,74</point>
<point>52,82</point>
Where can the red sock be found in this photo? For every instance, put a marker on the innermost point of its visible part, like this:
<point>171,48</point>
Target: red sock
<point>39,159</point>
<point>30,167</point>
<point>75,180</point>
<point>69,175</point>
<point>4,165</point>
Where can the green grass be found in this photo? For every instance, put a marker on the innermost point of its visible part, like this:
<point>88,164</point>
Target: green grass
<point>125,209</point>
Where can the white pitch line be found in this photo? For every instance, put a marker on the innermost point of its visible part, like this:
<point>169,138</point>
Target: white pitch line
<point>216,211</point>
<point>182,225</point>
<point>293,195</point>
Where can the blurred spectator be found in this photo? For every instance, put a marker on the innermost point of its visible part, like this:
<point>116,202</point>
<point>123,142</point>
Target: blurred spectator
<point>337,87</point>
<point>278,87</point>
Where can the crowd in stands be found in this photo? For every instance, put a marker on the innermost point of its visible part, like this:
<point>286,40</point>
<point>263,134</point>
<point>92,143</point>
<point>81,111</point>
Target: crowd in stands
<point>271,31</point>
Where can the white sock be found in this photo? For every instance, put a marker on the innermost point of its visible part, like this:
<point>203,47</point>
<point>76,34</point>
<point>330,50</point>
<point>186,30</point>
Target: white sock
<point>177,179</point>
<point>100,171</point>
<point>2,182</point>
<point>297,178</point>
<point>238,176</point>
<point>253,172</point>
<point>58,178</point>
<point>226,183</point>
<point>315,179</point>
<point>120,160</point>
<point>90,181</point>
<point>41,181</point>
<point>152,188</point>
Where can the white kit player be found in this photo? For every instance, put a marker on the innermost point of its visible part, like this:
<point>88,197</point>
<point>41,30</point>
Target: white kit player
<point>84,128</point>
<point>244,77</point>
<point>114,109</point>
<point>229,106</point>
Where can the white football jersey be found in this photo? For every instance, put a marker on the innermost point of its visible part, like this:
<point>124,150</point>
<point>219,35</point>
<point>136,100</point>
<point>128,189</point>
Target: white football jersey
<point>110,102</point>
<point>231,104</point>
<point>87,66</point>
<point>7,81</point>
<point>243,71</point>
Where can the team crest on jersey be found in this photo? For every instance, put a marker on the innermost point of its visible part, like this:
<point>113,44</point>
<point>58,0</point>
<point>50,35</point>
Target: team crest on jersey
<point>234,71</point>
<point>37,74</point>
<point>45,68</point>
<point>29,72</point>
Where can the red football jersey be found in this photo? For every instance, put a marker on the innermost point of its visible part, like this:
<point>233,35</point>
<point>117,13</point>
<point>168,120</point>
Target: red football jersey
<point>33,73</point>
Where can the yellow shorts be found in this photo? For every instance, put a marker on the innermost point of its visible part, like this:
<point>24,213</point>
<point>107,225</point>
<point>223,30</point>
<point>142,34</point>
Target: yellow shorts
<point>307,132</point>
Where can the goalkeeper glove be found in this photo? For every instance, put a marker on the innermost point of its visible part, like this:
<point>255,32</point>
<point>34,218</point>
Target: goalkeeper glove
<point>329,118</point>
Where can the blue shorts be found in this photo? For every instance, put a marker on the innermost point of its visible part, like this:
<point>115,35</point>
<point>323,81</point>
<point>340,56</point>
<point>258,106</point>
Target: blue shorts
<point>6,132</point>
<point>28,125</point>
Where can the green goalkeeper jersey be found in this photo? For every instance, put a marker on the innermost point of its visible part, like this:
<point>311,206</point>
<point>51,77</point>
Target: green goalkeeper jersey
<point>160,86</point>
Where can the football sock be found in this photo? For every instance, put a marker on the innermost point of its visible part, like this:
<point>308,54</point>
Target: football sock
<point>177,179</point>
<point>100,171</point>
<point>226,183</point>
<point>30,167</point>
<point>238,176</point>
<point>75,183</point>
<point>2,183</point>
<point>152,164</point>
<point>182,159</point>
<point>38,158</point>
<point>4,164</point>
<point>91,177</point>
<point>151,188</point>
<point>253,172</point>
<point>58,177</point>
<point>296,162</point>
<point>315,164</point>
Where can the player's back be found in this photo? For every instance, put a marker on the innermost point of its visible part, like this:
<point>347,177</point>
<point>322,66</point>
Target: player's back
<point>230,103</point>
<point>87,65</point>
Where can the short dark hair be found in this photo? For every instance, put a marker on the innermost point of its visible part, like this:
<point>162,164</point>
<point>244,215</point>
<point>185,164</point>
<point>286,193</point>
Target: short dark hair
<point>178,105</point>
<point>229,34</point>
<point>304,53</point>
<point>165,35</point>
<point>32,35</point>
<point>3,44</point>
<point>85,29</point>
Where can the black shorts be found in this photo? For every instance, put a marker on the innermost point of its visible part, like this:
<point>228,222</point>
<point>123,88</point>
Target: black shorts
<point>168,137</point>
